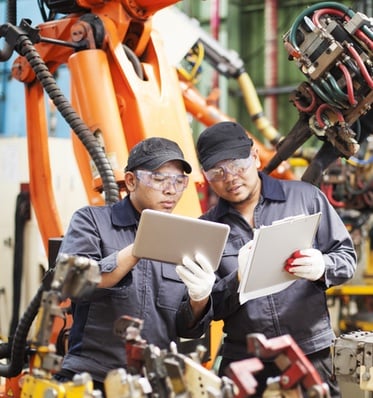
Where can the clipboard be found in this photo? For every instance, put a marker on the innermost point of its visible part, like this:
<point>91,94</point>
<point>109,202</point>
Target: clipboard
<point>169,237</point>
<point>271,246</point>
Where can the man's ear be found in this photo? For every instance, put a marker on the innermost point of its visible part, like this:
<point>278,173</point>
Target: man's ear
<point>130,181</point>
<point>255,153</point>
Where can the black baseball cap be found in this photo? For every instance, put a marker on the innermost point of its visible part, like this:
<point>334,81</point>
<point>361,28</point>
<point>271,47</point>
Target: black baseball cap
<point>223,141</point>
<point>153,152</point>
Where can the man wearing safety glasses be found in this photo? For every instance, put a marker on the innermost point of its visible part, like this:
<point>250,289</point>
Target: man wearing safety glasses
<point>249,199</point>
<point>155,178</point>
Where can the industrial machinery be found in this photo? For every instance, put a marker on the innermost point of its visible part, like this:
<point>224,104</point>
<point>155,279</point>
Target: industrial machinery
<point>140,94</point>
<point>332,46</point>
<point>296,370</point>
<point>72,277</point>
<point>352,362</point>
<point>150,372</point>
<point>171,373</point>
<point>168,373</point>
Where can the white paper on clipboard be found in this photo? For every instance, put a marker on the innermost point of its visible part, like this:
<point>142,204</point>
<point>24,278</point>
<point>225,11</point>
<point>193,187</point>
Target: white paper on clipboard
<point>271,246</point>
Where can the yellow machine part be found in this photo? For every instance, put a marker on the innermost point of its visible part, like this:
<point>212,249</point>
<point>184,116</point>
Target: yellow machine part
<point>355,312</point>
<point>37,387</point>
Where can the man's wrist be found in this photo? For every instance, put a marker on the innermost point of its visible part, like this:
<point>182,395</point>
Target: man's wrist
<point>198,309</point>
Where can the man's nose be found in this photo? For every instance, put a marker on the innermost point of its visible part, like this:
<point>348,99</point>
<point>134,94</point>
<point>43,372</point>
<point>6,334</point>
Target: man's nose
<point>229,175</point>
<point>170,186</point>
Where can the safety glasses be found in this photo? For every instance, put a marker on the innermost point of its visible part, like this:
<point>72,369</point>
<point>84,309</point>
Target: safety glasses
<point>233,167</point>
<point>162,181</point>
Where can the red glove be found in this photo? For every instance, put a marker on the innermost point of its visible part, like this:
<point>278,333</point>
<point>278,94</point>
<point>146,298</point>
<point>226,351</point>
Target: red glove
<point>290,260</point>
<point>308,264</point>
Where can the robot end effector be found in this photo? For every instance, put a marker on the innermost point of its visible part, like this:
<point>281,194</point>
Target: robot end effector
<point>333,48</point>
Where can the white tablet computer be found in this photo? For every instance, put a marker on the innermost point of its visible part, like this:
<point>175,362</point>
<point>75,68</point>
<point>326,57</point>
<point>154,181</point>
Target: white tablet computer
<point>169,237</point>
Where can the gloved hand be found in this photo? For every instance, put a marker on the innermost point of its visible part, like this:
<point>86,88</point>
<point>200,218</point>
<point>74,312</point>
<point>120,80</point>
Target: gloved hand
<point>308,264</point>
<point>199,276</point>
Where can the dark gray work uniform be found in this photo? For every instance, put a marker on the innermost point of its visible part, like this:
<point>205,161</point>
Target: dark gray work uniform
<point>301,309</point>
<point>152,291</point>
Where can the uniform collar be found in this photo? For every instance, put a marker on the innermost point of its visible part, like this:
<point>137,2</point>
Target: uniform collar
<point>124,214</point>
<point>271,188</point>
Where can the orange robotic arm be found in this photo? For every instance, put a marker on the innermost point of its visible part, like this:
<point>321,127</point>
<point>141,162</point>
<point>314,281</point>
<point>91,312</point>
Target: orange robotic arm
<point>122,88</point>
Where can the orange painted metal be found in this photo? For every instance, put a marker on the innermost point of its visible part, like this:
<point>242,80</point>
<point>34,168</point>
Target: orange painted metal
<point>41,185</point>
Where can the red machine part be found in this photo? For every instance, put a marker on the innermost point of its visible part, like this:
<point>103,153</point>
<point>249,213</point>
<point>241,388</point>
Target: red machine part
<point>290,359</point>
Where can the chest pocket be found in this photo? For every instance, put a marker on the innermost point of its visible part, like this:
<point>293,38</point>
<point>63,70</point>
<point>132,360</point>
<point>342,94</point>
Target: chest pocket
<point>171,288</point>
<point>229,259</point>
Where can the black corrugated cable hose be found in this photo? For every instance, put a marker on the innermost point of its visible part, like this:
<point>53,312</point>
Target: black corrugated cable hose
<point>96,152</point>
<point>7,50</point>
<point>22,215</point>
<point>16,349</point>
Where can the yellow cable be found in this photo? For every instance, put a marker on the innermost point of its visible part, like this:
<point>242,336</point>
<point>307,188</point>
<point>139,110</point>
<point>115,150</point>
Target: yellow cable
<point>255,109</point>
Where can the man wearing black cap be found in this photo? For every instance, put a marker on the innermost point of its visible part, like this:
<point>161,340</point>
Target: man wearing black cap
<point>155,178</point>
<point>249,199</point>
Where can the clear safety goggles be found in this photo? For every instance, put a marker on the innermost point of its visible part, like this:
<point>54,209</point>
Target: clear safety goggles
<point>162,181</point>
<point>233,167</point>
